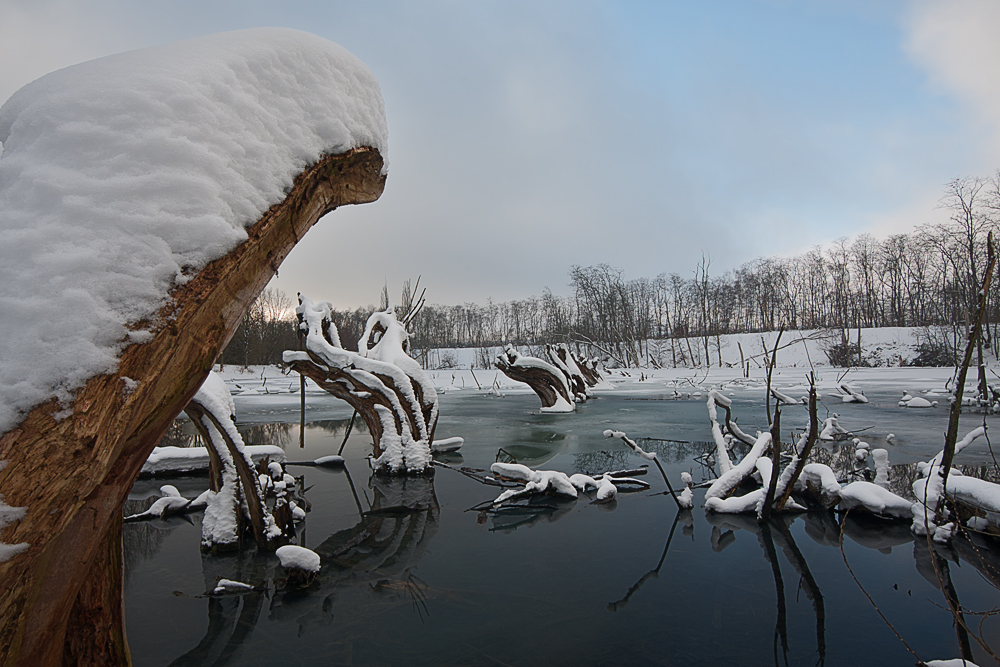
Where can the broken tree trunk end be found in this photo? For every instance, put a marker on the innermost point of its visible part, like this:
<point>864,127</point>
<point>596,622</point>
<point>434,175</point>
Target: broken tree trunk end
<point>74,474</point>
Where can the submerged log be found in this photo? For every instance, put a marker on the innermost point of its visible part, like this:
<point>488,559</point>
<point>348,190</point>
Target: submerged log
<point>544,379</point>
<point>73,473</point>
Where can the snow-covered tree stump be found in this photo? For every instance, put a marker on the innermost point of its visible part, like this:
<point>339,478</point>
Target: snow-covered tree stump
<point>387,387</point>
<point>71,460</point>
<point>563,359</point>
<point>588,368</point>
<point>211,411</point>
<point>544,379</point>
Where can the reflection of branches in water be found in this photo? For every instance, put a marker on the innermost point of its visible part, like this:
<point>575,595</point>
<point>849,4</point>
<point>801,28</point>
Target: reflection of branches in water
<point>227,630</point>
<point>268,434</point>
<point>141,540</point>
<point>798,562</point>
<point>180,433</point>
<point>780,624</point>
<point>981,553</point>
<point>838,455</point>
<point>777,530</point>
<point>933,567</point>
<point>337,427</point>
<point>380,550</point>
<point>231,618</point>
<point>537,508</point>
<point>720,540</point>
<point>394,532</point>
<point>981,471</point>
<point>595,463</point>
<point>413,586</point>
<point>615,606</point>
<point>673,451</point>
<point>874,532</point>
<point>865,592</point>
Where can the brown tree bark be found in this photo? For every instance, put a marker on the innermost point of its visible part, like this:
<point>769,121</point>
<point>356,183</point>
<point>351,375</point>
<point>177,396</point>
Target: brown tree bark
<point>98,616</point>
<point>73,474</point>
<point>547,385</point>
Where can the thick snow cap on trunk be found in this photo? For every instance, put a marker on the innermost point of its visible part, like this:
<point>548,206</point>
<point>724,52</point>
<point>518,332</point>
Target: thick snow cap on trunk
<point>120,178</point>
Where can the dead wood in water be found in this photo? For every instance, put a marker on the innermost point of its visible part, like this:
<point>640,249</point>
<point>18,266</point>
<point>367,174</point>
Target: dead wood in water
<point>73,474</point>
<point>249,484</point>
<point>547,381</point>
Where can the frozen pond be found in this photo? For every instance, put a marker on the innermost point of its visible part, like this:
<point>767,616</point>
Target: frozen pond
<point>573,583</point>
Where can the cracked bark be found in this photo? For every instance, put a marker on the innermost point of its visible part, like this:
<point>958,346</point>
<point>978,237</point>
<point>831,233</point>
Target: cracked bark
<point>74,474</point>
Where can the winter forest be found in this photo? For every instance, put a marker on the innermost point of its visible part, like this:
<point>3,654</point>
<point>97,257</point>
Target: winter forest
<point>927,279</point>
<point>786,462</point>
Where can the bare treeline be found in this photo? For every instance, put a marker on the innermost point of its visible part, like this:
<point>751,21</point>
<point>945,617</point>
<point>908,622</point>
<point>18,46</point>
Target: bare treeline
<point>929,277</point>
<point>926,278</point>
<point>266,331</point>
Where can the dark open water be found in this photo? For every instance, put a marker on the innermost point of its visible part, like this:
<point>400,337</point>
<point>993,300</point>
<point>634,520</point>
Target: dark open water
<point>633,583</point>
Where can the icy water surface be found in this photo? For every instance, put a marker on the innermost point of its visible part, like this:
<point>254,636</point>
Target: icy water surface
<point>574,583</point>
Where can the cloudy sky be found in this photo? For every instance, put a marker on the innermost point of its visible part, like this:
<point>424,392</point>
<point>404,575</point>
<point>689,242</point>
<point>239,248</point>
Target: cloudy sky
<point>526,137</point>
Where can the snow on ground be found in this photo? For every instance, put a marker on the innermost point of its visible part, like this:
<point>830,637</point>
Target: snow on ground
<point>268,384</point>
<point>120,178</point>
<point>881,347</point>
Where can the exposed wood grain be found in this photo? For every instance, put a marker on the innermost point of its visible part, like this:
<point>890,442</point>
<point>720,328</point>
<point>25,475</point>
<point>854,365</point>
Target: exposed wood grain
<point>74,474</point>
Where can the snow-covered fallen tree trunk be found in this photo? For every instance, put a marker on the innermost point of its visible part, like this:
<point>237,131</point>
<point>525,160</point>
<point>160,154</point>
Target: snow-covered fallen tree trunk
<point>170,503</point>
<point>748,502</point>
<point>544,379</point>
<point>875,499</point>
<point>849,394</point>
<point>820,482</point>
<point>175,225</point>
<point>386,386</point>
<point>164,461</point>
<point>558,483</point>
<point>729,480</point>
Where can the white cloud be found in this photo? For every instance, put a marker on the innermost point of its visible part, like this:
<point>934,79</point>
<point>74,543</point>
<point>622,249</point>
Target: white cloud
<point>957,44</point>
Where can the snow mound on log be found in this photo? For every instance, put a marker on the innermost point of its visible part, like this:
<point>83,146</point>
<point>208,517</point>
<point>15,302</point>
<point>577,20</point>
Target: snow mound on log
<point>299,558</point>
<point>120,178</point>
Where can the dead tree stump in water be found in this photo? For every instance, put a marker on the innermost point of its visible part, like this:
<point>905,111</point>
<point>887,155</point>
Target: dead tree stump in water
<point>588,368</point>
<point>563,359</point>
<point>384,385</point>
<point>544,379</point>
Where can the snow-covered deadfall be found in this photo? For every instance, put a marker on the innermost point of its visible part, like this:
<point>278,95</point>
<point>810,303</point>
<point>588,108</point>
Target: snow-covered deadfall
<point>145,199</point>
